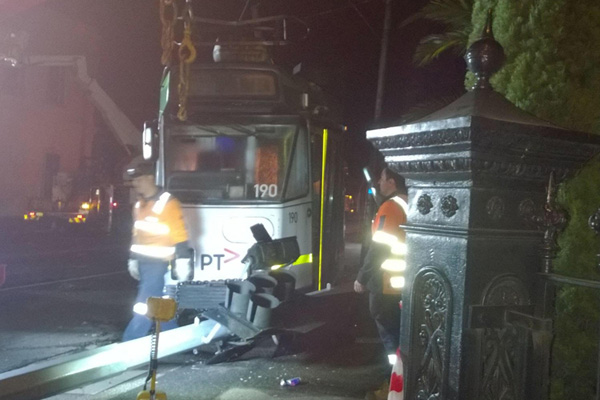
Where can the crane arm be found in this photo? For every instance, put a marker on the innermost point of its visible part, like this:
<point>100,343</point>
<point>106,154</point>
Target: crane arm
<point>120,125</point>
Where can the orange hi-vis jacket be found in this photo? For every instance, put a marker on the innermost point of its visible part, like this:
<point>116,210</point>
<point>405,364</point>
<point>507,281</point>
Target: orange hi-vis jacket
<point>389,218</point>
<point>158,226</point>
<point>385,262</point>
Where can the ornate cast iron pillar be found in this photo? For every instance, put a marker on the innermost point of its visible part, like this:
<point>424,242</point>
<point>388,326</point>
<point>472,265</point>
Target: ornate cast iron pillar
<point>476,172</point>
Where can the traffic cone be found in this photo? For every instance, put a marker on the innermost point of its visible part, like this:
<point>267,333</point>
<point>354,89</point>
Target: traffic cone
<point>397,379</point>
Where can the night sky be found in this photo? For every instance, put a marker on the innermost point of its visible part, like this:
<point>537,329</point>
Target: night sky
<point>343,47</point>
<point>341,51</point>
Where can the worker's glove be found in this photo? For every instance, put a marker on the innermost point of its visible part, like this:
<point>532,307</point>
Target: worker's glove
<point>134,269</point>
<point>183,267</point>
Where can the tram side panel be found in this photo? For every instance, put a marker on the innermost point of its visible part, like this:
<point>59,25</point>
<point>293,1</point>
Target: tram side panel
<point>221,237</point>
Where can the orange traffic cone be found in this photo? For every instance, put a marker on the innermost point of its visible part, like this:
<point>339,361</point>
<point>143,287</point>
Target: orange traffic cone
<point>397,379</point>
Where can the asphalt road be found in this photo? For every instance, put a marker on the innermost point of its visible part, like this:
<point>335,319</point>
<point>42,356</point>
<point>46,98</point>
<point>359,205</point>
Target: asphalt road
<point>337,372</point>
<point>82,300</point>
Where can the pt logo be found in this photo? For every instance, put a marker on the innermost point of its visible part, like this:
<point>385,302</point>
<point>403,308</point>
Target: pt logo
<point>209,259</point>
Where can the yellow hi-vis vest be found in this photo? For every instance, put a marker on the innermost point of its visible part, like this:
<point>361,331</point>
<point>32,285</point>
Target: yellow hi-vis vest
<point>158,226</point>
<point>386,230</point>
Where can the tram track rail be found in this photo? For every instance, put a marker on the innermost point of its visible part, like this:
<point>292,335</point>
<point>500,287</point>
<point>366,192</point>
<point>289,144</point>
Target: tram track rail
<point>60,281</point>
<point>29,254</point>
<point>57,260</point>
<point>47,314</point>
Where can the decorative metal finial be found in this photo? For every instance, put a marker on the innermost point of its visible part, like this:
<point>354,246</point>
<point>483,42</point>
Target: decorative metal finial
<point>485,57</point>
<point>487,29</point>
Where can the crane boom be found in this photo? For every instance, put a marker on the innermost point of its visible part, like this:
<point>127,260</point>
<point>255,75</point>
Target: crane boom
<point>120,125</point>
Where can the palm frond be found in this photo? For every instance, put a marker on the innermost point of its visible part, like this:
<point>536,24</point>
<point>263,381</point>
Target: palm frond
<point>454,13</point>
<point>432,46</point>
<point>414,17</point>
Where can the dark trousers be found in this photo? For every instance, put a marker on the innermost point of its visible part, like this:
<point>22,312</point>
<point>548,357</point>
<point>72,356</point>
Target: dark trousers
<point>385,310</point>
<point>151,284</point>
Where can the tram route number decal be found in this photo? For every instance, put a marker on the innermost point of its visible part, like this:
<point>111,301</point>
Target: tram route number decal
<point>264,190</point>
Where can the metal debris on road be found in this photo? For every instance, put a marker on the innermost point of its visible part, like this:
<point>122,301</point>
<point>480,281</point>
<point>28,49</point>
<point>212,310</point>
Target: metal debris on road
<point>290,382</point>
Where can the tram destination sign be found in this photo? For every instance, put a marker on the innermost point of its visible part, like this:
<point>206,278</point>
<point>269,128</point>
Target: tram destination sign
<point>234,84</point>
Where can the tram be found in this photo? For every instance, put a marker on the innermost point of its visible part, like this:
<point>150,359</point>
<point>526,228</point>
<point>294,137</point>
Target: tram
<point>258,146</point>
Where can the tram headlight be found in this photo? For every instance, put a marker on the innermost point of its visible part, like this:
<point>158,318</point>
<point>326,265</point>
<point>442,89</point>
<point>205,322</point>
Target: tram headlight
<point>149,141</point>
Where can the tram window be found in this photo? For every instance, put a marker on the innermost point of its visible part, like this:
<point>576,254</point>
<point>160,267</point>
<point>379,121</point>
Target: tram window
<point>234,162</point>
<point>298,179</point>
<point>316,144</point>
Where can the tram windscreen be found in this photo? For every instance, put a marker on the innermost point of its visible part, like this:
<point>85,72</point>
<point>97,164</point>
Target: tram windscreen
<point>234,162</point>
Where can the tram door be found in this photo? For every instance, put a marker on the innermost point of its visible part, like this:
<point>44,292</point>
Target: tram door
<point>328,204</point>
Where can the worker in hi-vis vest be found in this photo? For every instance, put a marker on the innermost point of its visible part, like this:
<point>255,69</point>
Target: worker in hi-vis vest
<point>382,271</point>
<point>159,241</point>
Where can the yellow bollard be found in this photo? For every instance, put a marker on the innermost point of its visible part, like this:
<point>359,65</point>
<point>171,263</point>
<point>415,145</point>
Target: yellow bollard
<point>146,395</point>
<point>160,310</point>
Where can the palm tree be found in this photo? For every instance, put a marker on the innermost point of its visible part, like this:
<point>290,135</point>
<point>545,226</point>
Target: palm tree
<point>455,15</point>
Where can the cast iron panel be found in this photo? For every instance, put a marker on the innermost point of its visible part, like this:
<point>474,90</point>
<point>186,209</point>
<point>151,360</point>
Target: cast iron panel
<point>430,338</point>
<point>503,351</point>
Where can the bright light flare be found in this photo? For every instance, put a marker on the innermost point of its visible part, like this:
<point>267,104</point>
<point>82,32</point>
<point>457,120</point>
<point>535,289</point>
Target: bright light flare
<point>394,265</point>
<point>397,282</point>
<point>183,269</point>
<point>392,358</point>
<point>140,308</point>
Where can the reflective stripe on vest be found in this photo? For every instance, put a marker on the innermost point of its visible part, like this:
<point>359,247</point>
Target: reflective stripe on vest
<point>400,201</point>
<point>163,252</point>
<point>394,266</point>
<point>384,238</point>
<point>151,225</point>
<point>398,248</point>
<point>160,204</point>
<point>397,282</point>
